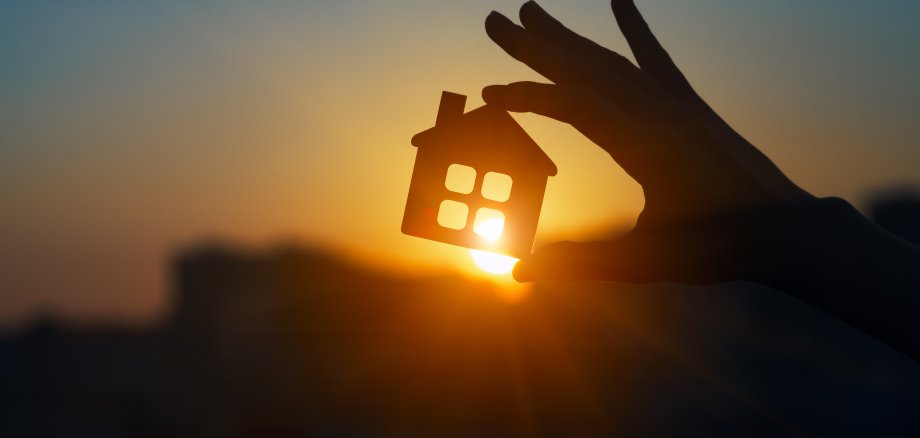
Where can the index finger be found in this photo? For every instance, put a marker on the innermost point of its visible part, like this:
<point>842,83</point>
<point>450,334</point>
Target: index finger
<point>561,66</point>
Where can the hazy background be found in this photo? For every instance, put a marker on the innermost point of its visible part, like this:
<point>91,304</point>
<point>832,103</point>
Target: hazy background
<point>129,129</point>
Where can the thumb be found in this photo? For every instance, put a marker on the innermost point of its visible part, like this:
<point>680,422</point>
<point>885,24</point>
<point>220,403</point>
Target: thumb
<point>606,260</point>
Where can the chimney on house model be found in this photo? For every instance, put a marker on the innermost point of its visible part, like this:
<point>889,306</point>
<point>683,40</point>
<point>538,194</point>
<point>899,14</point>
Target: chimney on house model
<point>451,107</point>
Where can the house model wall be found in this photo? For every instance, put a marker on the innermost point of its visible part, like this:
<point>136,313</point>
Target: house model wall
<point>485,147</point>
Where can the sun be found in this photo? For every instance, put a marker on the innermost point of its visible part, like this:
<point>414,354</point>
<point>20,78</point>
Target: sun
<point>490,262</point>
<point>493,263</point>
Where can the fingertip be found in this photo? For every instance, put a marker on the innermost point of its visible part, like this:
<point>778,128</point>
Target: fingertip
<point>533,267</point>
<point>495,20</point>
<point>522,272</point>
<point>530,10</point>
<point>492,21</point>
<point>492,93</point>
<point>625,11</point>
<point>621,7</point>
<point>502,30</point>
<point>620,3</point>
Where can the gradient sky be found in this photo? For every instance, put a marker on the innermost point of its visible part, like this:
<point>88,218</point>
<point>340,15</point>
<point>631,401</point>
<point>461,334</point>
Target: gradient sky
<point>131,129</point>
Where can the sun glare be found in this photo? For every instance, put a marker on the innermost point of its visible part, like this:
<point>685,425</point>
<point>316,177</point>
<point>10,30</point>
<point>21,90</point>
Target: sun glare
<point>490,262</point>
<point>490,229</point>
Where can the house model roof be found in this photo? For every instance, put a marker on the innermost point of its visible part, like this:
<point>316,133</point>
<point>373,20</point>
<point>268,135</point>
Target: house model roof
<point>486,135</point>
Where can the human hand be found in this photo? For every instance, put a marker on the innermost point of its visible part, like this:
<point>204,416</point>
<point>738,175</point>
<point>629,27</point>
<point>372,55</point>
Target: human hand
<point>716,208</point>
<point>706,188</point>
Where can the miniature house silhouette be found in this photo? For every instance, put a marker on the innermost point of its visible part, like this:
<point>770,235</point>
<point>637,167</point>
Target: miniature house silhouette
<point>477,175</point>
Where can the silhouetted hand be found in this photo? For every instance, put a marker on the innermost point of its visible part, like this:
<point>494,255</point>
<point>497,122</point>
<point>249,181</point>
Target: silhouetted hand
<point>692,166</point>
<point>717,209</point>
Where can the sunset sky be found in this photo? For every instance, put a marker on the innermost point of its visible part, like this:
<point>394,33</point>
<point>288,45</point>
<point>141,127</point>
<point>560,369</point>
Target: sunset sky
<point>129,130</point>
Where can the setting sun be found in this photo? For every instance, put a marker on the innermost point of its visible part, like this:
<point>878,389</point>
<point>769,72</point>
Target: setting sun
<point>492,263</point>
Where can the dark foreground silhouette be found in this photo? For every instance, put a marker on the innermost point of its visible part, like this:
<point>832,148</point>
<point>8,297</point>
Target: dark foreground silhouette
<point>294,342</point>
<point>716,208</point>
<point>899,213</point>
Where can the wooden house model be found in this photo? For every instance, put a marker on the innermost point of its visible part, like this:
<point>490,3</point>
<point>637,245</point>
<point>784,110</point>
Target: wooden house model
<point>478,180</point>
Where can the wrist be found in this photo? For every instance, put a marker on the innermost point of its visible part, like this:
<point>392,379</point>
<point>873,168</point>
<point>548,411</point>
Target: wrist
<point>840,262</point>
<point>826,243</point>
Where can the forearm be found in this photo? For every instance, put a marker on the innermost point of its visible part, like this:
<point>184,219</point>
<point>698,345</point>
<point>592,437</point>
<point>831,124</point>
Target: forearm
<point>857,272</point>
